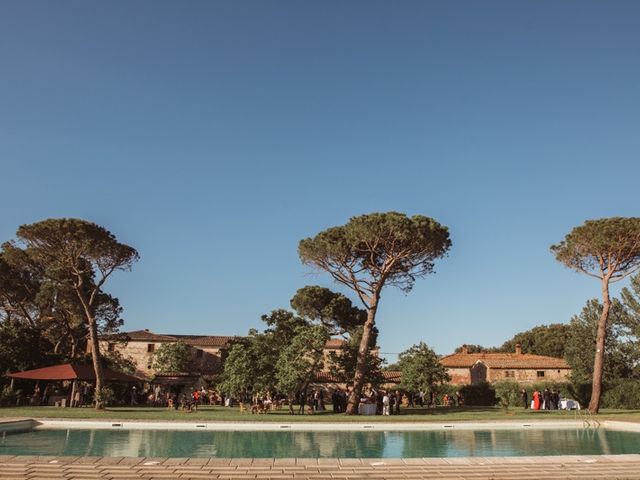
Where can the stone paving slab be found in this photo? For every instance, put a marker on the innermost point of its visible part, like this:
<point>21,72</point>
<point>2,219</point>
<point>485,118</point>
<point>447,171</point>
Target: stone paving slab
<point>499,468</point>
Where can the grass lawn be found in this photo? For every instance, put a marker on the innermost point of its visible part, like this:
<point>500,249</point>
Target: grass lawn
<point>222,414</point>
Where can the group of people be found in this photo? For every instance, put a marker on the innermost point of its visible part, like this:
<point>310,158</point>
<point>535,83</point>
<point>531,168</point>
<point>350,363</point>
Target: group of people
<point>187,399</point>
<point>309,402</point>
<point>452,401</point>
<point>386,402</point>
<point>545,400</point>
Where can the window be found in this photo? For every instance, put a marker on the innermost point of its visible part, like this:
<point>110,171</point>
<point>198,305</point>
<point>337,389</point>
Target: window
<point>540,373</point>
<point>111,347</point>
<point>151,347</point>
<point>509,374</point>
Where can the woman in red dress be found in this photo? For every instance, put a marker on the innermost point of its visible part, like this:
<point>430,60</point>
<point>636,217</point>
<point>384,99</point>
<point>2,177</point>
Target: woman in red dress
<point>536,400</point>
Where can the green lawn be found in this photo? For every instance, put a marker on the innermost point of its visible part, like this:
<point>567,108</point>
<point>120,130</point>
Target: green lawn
<point>222,414</point>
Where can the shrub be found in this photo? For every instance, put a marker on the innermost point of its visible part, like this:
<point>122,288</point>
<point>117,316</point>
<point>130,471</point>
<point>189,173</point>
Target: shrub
<point>482,394</point>
<point>445,389</point>
<point>105,396</point>
<point>8,397</point>
<point>508,393</point>
<point>580,392</point>
<point>622,394</point>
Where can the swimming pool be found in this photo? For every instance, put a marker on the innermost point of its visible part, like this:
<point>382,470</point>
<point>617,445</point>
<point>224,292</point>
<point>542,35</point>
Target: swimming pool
<point>433,442</point>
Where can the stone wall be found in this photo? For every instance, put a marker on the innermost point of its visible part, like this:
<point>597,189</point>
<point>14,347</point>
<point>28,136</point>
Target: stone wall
<point>529,375</point>
<point>462,376</point>
<point>209,360</point>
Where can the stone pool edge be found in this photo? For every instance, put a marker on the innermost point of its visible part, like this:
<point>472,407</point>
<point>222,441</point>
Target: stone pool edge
<point>318,426</point>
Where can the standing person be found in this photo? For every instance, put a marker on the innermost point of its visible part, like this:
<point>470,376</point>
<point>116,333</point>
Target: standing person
<point>398,398</point>
<point>334,401</point>
<point>380,403</point>
<point>554,399</point>
<point>302,400</point>
<point>385,404</point>
<point>536,400</point>
<point>459,399</point>
<point>525,398</point>
<point>134,396</point>
<point>547,399</point>
<point>343,400</point>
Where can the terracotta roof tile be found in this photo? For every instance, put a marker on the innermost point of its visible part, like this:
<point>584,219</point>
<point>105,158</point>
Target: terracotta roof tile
<point>144,335</point>
<point>503,360</point>
<point>70,371</point>
<point>326,377</point>
<point>205,340</point>
<point>195,340</point>
<point>334,343</point>
<point>392,375</point>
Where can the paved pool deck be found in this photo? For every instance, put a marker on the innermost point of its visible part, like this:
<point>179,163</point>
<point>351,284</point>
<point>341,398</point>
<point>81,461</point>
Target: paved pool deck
<point>130,468</point>
<point>498,468</point>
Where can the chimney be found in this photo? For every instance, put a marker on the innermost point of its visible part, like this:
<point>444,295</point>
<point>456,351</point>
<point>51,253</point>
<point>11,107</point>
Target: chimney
<point>518,349</point>
<point>465,349</point>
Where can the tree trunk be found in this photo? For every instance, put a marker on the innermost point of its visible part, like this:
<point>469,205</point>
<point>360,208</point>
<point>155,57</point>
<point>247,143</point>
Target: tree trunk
<point>97,363</point>
<point>361,363</point>
<point>87,305</point>
<point>598,363</point>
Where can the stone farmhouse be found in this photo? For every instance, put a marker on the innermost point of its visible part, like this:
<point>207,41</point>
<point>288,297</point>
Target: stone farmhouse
<point>471,368</point>
<point>207,351</point>
<point>464,368</point>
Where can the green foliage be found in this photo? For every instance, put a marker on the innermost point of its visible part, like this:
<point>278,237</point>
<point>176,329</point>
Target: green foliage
<point>339,316</point>
<point>300,360</point>
<point>172,358</point>
<point>23,347</point>
<point>421,369</point>
<point>508,393</point>
<point>548,340</point>
<point>8,397</point>
<point>73,259</point>
<point>480,395</point>
<point>378,248</point>
<point>370,252</point>
<point>331,309</point>
<point>623,393</point>
<point>474,349</point>
<point>285,357</point>
<point>117,361</point>
<point>84,246</point>
<point>619,346</point>
<point>241,369</point>
<point>607,249</point>
<point>607,245</point>
<point>104,396</point>
<point>631,320</point>
<point>342,365</point>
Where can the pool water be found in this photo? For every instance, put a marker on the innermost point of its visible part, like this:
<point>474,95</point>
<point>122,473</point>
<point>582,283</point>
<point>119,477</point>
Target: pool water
<point>369,444</point>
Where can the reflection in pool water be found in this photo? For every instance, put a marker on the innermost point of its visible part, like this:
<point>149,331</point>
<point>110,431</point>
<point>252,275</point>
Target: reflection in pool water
<point>369,444</point>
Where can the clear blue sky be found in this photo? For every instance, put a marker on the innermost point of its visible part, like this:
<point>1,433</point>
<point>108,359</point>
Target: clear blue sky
<point>213,136</point>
